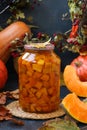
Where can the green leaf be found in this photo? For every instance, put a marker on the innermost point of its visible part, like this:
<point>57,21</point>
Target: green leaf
<point>59,124</point>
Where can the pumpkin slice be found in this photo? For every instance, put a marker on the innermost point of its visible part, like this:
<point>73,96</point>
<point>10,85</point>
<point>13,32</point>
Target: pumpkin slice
<point>73,83</point>
<point>75,107</point>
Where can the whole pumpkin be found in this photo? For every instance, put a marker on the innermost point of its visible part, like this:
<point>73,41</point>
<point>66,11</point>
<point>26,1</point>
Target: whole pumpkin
<point>10,33</point>
<point>80,64</point>
<point>3,74</point>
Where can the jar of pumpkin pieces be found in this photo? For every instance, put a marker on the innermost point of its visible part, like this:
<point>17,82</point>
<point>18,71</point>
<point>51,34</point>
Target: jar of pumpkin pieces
<point>39,79</point>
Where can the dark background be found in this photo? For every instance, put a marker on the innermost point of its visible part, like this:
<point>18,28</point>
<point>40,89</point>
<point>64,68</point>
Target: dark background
<point>48,17</point>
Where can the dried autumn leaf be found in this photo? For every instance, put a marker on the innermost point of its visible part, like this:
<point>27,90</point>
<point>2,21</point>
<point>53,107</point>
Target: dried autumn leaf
<point>5,113</point>
<point>59,124</point>
<point>2,99</point>
<point>15,94</point>
<point>17,122</point>
<point>12,94</point>
<point>20,15</point>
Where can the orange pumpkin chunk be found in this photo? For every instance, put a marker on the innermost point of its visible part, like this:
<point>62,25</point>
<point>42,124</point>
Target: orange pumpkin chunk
<point>37,67</point>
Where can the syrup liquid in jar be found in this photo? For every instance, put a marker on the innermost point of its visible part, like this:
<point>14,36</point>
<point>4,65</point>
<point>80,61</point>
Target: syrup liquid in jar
<point>39,80</point>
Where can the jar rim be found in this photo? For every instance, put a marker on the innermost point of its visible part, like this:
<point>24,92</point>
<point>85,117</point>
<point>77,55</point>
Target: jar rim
<point>47,47</point>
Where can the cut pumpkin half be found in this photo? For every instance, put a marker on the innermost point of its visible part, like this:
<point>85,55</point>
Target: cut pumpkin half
<point>73,83</point>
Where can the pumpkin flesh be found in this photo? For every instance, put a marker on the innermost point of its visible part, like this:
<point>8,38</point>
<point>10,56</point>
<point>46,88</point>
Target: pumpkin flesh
<point>73,83</point>
<point>75,107</point>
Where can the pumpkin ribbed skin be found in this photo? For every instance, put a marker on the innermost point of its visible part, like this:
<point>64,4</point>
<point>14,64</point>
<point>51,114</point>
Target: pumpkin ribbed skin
<point>75,107</point>
<point>14,30</point>
<point>73,83</point>
<point>3,74</point>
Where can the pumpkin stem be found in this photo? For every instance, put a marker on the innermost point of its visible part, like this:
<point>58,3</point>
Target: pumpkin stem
<point>78,64</point>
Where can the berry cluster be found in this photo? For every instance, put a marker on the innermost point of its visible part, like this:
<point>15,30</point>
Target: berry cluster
<point>76,40</point>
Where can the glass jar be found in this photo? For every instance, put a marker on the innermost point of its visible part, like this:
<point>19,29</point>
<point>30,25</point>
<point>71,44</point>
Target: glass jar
<point>39,79</point>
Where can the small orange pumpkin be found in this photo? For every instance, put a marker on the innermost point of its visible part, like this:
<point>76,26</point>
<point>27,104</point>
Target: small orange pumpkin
<point>75,107</point>
<point>73,83</point>
<point>14,30</point>
<point>3,74</point>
